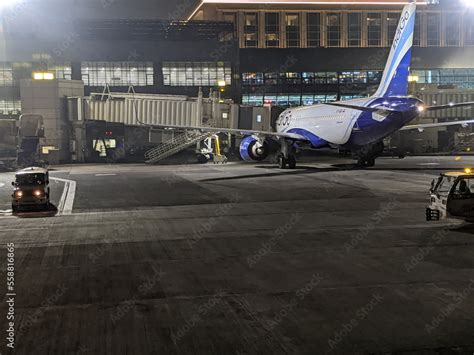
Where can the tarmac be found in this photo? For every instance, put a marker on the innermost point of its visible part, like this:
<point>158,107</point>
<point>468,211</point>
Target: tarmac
<point>238,259</point>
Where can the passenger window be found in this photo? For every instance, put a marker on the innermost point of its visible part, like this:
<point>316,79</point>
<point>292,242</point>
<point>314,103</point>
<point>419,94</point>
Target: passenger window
<point>464,189</point>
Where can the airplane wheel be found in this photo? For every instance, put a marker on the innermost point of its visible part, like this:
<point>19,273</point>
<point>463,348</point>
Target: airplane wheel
<point>282,162</point>
<point>292,162</point>
<point>15,209</point>
<point>370,162</point>
<point>361,162</point>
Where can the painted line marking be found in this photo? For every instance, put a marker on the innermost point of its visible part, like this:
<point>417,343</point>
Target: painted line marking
<point>105,174</point>
<point>428,164</point>
<point>66,202</point>
<point>2,184</point>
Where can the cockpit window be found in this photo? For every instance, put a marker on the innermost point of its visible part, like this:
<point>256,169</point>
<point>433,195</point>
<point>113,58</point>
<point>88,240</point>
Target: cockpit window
<point>30,179</point>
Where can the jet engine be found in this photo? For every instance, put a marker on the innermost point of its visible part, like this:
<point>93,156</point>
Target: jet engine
<point>251,149</point>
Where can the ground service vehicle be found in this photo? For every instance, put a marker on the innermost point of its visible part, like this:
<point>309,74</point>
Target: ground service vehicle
<point>452,196</point>
<point>31,188</point>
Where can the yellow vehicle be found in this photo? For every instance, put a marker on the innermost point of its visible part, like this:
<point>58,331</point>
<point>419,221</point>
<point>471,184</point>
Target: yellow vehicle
<point>31,188</point>
<point>452,196</point>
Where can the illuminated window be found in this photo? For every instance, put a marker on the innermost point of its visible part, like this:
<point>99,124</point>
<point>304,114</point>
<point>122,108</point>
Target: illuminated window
<point>292,30</point>
<point>374,77</point>
<point>392,24</point>
<point>271,78</point>
<point>252,78</point>
<point>434,29</point>
<point>252,100</point>
<point>63,72</point>
<point>6,74</point>
<point>313,30</point>
<point>251,30</point>
<point>333,30</point>
<point>453,30</point>
<point>196,73</point>
<point>117,73</point>
<point>10,107</point>
<point>272,30</point>
<point>292,78</point>
<point>354,29</point>
<point>374,29</point>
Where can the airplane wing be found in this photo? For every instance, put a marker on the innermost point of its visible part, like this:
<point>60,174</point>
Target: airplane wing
<point>451,105</point>
<point>422,127</point>
<point>243,132</point>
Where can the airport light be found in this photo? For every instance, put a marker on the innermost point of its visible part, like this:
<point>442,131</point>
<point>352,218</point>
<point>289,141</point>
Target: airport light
<point>43,76</point>
<point>413,78</point>
<point>7,3</point>
<point>467,170</point>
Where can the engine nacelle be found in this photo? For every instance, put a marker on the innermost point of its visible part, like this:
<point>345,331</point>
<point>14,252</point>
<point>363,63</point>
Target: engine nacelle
<point>252,150</point>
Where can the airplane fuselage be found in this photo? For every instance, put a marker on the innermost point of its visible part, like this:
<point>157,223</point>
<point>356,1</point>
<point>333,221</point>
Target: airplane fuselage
<point>335,126</point>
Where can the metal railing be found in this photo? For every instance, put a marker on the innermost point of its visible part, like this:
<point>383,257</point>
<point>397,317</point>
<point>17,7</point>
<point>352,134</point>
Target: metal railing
<point>177,144</point>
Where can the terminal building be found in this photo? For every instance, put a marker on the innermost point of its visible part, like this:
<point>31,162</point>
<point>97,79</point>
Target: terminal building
<point>268,54</point>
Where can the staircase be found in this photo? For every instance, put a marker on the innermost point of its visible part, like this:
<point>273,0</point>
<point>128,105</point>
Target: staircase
<point>174,145</point>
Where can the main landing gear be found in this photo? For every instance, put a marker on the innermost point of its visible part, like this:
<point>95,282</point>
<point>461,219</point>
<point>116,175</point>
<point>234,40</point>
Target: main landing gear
<point>366,155</point>
<point>287,156</point>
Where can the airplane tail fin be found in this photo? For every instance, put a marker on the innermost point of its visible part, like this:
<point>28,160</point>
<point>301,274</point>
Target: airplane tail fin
<point>395,76</point>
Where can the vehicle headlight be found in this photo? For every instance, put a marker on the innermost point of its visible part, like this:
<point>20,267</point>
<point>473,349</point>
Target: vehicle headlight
<point>18,194</point>
<point>38,193</point>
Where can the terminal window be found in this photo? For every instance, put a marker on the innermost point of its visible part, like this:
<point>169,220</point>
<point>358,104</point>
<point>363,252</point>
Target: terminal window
<point>417,32</point>
<point>292,30</point>
<point>10,107</point>
<point>117,73</point>
<point>469,37</point>
<point>334,29</point>
<point>63,72</point>
<point>272,29</point>
<point>251,30</point>
<point>6,74</point>
<point>196,73</point>
<point>354,29</point>
<point>433,29</point>
<point>313,28</point>
<point>392,25</point>
<point>453,31</point>
<point>374,29</point>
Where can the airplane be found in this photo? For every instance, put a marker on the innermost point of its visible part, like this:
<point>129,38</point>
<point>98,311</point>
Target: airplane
<point>358,125</point>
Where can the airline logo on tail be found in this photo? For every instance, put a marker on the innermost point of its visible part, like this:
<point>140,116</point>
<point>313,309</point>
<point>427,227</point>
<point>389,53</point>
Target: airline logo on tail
<point>403,23</point>
<point>395,77</point>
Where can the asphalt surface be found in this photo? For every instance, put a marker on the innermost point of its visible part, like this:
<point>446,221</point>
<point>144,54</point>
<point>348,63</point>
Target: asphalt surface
<point>240,259</point>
